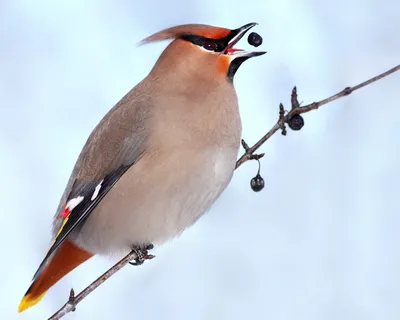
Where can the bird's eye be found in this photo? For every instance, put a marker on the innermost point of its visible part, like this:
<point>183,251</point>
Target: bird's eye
<point>211,46</point>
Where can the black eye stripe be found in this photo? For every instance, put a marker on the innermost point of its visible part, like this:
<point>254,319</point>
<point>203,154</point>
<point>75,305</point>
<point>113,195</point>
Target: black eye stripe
<point>220,44</point>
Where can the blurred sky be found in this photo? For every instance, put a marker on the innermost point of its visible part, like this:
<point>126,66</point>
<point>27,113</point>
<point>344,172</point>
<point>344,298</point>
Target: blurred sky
<point>319,242</point>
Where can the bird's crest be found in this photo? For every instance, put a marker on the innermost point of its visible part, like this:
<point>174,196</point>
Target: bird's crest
<point>176,32</point>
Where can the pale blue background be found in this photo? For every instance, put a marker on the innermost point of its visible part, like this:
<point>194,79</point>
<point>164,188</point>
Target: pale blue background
<point>320,242</point>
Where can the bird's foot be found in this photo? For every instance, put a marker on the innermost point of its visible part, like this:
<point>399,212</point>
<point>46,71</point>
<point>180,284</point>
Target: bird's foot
<point>142,254</point>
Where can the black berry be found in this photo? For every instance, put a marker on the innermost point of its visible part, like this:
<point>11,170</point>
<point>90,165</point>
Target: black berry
<point>254,39</point>
<point>257,183</point>
<point>296,122</point>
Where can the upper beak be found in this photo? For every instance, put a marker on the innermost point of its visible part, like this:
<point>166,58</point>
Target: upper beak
<point>240,32</point>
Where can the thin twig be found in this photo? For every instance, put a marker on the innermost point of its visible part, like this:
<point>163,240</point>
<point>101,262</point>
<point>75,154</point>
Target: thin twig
<point>74,300</point>
<point>296,109</point>
<point>248,155</point>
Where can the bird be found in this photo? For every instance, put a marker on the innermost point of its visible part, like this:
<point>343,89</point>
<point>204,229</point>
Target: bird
<point>158,159</point>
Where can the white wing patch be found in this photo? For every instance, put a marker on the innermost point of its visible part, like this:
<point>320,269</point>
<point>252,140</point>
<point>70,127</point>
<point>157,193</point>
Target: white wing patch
<point>96,191</point>
<point>71,204</point>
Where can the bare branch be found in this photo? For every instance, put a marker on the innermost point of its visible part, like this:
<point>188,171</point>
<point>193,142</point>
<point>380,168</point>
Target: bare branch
<point>296,109</point>
<point>74,300</point>
<point>248,155</point>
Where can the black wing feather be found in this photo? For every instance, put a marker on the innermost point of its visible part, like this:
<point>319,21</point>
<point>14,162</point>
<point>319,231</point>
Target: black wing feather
<point>83,209</point>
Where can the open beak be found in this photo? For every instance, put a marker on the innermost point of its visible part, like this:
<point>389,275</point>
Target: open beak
<point>240,32</point>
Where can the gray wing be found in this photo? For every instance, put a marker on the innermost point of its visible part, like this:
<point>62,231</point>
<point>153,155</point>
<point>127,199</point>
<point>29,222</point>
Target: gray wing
<point>117,143</point>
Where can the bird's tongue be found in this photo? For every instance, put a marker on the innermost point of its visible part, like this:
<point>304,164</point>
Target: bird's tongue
<point>232,50</point>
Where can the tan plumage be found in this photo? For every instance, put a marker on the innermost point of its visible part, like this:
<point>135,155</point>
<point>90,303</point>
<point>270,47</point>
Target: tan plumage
<point>160,157</point>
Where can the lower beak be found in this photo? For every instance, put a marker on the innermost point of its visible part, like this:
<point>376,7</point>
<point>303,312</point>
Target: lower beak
<point>240,32</point>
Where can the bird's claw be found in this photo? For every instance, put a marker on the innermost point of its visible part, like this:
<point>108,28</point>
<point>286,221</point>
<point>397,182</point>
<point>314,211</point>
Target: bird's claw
<point>142,254</point>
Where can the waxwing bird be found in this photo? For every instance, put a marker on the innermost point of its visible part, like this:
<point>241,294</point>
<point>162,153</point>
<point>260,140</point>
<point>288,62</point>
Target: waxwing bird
<point>157,160</point>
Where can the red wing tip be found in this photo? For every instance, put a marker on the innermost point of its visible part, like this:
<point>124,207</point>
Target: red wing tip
<point>65,213</point>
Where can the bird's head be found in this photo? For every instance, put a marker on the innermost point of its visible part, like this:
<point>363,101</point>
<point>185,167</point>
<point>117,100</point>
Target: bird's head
<point>202,51</point>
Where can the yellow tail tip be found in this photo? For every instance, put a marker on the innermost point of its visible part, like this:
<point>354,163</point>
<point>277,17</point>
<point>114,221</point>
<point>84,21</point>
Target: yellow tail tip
<point>28,301</point>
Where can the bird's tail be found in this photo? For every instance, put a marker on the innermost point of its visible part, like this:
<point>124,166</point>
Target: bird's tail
<point>64,260</point>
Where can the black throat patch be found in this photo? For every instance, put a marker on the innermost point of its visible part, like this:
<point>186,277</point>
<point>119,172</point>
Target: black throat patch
<point>234,66</point>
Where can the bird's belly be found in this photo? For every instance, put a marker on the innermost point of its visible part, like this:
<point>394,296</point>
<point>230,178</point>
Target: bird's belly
<point>157,200</point>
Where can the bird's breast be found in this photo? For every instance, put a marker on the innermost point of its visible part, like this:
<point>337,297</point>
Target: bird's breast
<point>188,162</point>
<point>197,119</point>
<point>158,198</point>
